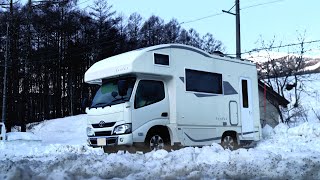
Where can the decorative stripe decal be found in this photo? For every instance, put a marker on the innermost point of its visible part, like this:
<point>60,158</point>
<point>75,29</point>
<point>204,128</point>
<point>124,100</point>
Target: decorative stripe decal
<point>204,95</point>
<point>245,133</point>
<point>182,79</point>
<point>216,138</point>
<point>202,140</point>
<point>228,89</point>
<point>185,48</point>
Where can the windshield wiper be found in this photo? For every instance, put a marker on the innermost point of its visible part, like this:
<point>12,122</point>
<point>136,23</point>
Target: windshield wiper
<point>113,101</point>
<point>99,105</point>
<point>102,105</point>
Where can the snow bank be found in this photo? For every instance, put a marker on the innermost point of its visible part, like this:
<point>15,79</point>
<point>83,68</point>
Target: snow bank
<point>267,131</point>
<point>27,136</point>
<point>69,130</point>
<point>286,153</point>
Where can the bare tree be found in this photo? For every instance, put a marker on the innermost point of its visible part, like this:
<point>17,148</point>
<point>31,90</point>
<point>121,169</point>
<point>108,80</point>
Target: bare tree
<point>285,76</point>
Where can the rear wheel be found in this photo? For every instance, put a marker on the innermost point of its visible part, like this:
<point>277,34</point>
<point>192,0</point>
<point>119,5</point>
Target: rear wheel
<point>229,141</point>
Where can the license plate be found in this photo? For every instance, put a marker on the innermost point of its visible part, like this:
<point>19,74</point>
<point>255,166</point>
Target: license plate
<point>101,142</point>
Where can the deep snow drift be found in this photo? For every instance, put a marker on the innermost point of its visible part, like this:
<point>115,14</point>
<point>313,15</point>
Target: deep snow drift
<point>58,150</point>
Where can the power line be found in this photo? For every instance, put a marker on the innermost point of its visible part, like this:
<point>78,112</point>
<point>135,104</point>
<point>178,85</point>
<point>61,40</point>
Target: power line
<point>205,17</point>
<point>218,14</point>
<point>261,4</point>
<point>83,2</point>
<point>275,47</point>
<point>290,53</point>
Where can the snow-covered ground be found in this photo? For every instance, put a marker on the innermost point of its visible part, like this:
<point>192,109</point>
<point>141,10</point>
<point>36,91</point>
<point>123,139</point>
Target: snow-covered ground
<point>56,149</point>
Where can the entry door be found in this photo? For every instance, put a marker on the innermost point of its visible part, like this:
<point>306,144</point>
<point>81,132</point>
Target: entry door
<point>246,108</point>
<point>150,103</point>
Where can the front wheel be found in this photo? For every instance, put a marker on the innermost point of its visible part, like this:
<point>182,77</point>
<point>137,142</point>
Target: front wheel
<point>156,141</point>
<point>229,141</point>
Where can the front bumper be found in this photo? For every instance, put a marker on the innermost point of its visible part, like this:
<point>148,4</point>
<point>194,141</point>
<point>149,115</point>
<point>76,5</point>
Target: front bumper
<point>118,140</point>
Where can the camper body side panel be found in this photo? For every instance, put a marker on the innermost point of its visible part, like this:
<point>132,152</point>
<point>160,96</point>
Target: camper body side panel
<point>202,118</point>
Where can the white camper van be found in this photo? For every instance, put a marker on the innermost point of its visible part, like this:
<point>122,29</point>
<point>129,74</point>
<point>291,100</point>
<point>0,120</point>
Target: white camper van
<point>172,95</point>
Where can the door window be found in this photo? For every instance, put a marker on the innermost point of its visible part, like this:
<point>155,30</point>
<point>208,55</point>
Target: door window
<point>245,101</point>
<point>148,92</point>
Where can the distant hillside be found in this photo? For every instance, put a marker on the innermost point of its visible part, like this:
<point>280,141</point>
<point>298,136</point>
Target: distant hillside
<point>281,62</point>
<point>312,66</point>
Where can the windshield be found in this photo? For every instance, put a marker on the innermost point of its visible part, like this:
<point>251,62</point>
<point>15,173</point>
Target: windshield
<point>108,93</point>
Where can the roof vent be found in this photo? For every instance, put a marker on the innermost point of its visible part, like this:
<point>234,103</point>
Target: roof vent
<point>218,53</point>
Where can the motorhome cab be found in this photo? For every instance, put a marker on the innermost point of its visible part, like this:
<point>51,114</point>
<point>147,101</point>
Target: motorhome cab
<point>172,94</point>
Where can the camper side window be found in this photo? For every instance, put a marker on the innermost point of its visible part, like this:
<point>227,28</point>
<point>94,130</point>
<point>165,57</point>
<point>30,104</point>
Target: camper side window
<point>161,59</point>
<point>205,82</point>
<point>148,92</point>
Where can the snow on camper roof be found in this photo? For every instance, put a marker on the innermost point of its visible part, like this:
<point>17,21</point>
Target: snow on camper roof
<point>123,63</point>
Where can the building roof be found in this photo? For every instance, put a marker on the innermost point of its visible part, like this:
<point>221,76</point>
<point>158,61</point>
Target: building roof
<point>272,94</point>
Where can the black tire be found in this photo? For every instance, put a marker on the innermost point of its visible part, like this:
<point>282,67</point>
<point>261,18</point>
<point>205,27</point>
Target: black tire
<point>156,141</point>
<point>229,141</point>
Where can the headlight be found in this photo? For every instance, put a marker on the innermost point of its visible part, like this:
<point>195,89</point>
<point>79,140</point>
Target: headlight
<point>90,131</point>
<point>122,129</point>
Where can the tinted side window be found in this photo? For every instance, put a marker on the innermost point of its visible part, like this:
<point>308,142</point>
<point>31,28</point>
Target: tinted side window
<point>161,59</point>
<point>148,92</point>
<point>200,81</point>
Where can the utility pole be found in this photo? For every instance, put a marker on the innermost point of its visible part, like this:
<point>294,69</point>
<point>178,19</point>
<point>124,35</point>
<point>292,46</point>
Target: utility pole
<point>4,93</point>
<point>238,37</point>
<point>238,40</point>
<point>5,79</point>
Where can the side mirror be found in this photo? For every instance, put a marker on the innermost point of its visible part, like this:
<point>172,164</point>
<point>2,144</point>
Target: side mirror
<point>114,94</point>
<point>122,87</point>
<point>85,103</point>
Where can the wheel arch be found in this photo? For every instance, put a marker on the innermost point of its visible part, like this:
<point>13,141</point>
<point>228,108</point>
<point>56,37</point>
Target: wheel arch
<point>165,130</point>
<point>231,133</point>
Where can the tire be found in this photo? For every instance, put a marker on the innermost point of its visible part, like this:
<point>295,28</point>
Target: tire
<point>156,141</point>
<point>229,141</point>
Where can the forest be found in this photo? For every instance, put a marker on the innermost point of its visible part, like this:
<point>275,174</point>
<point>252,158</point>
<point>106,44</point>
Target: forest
<point>46,47</point>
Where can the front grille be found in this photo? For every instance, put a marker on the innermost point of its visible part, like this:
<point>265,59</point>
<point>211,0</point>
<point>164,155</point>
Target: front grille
<point>103,125</point>
<point>109,141</point>
<point>103,133</point>
<point>93,141</point>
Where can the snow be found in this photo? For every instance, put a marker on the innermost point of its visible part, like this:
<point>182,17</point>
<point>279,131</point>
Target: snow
<point>264,55</point>
<point>313,67</point>
<point>62,153</point>
<point>71,131</point>
<point>267,131</point>
<point>309,98</point>
<point>28,136</point>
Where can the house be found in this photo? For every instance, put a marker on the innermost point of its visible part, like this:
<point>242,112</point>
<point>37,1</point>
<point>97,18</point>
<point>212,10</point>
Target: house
<point>268,101</point>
